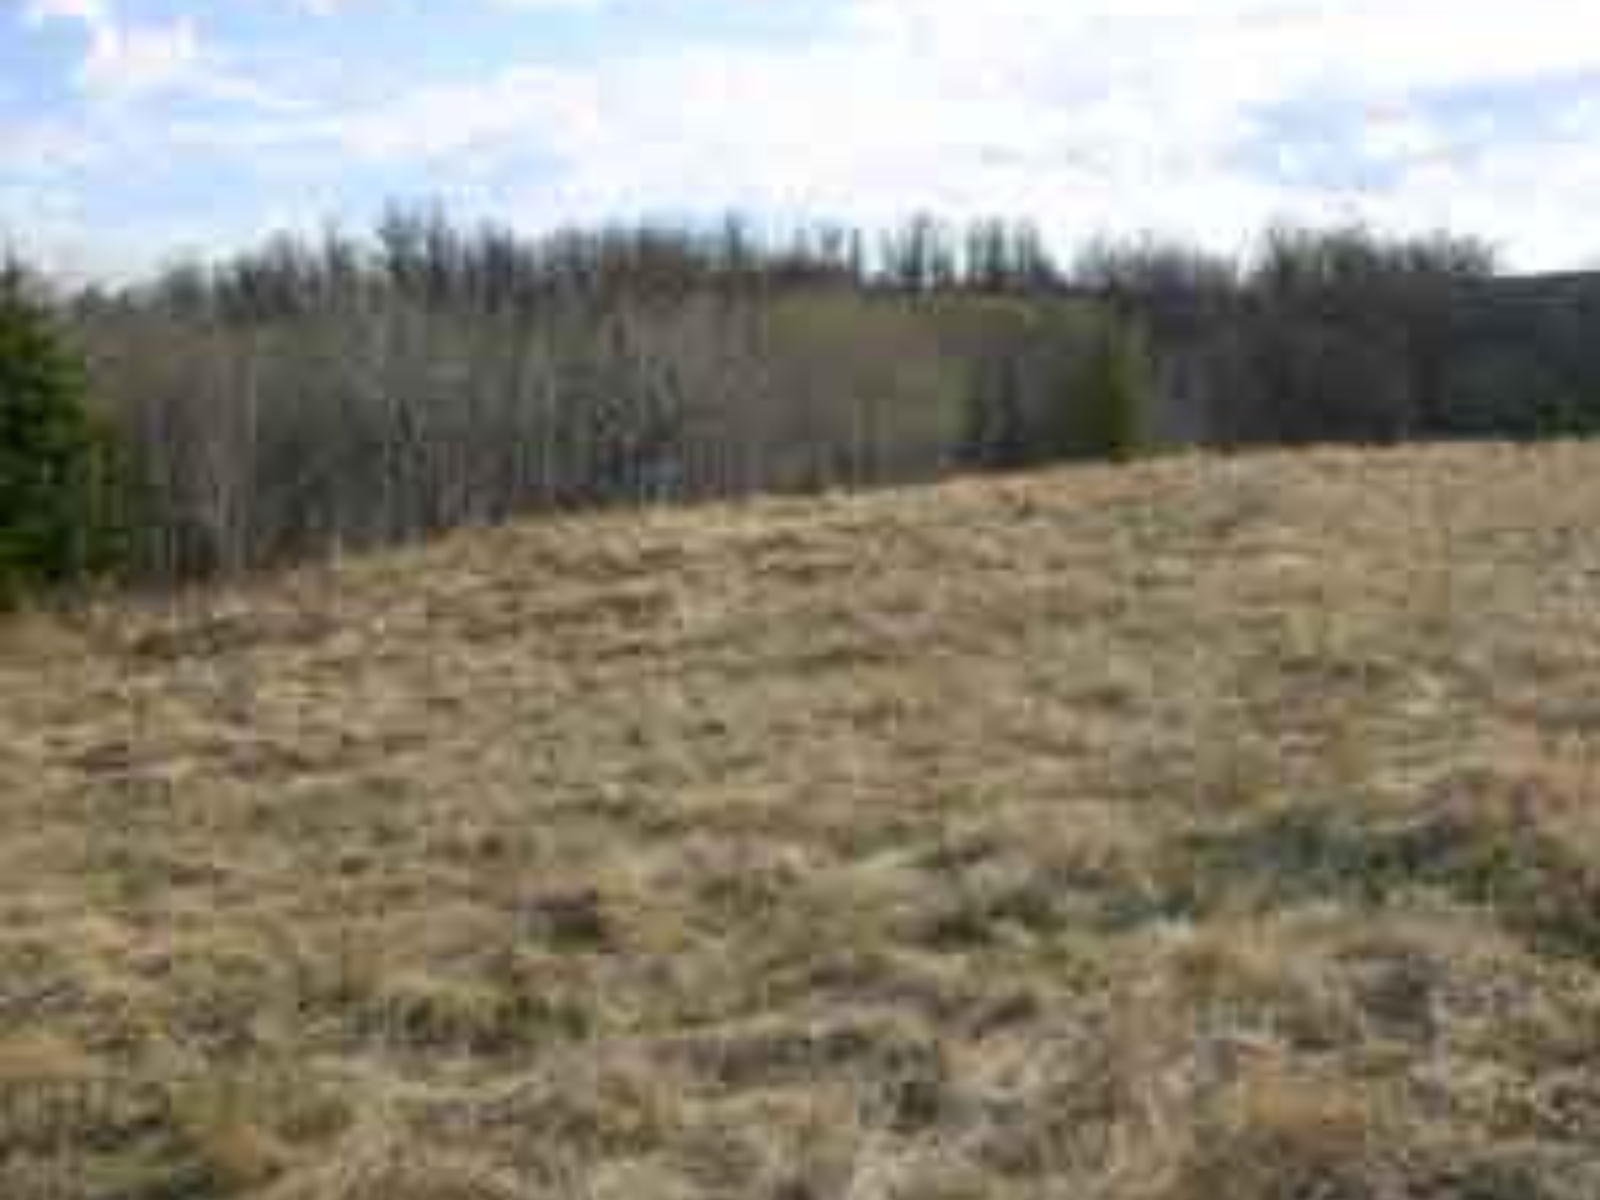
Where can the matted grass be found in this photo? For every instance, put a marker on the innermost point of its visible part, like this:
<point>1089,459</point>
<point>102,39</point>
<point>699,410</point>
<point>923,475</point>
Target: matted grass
<point>1213,828</point>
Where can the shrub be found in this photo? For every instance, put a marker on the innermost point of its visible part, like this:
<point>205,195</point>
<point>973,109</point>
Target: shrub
<point>1111,407</point>
<point>1054,381</point>
<point>56,499</point>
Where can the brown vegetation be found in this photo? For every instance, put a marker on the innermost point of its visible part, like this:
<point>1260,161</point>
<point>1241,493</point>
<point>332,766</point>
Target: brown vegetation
<point>1209,828</point>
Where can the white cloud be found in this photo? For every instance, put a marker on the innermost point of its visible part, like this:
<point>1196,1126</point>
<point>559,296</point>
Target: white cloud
<point>324,8</point>
<point>1087,115</point>
<point>521,104</point>
<point>87,11</point>
<point>1116,114</point>
<point>130,61</point>
<point>552,4</point>
<point>124,59</point>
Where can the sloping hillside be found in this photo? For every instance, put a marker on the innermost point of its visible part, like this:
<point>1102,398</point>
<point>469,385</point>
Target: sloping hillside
<point>1212,828</point>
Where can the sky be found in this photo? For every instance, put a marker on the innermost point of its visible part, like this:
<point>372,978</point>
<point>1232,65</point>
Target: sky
<point>135,131</point>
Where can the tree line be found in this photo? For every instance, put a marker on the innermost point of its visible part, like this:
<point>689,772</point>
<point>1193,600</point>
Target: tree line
<point>322,394</point>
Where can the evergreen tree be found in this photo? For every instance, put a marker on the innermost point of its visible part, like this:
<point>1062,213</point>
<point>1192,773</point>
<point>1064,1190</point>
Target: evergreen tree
<point>996,435</point>
<point>1113,395</point>
<point>55,462</point>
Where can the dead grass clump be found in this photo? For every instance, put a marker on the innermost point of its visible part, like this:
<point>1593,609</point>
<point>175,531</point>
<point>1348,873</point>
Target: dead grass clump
<point>1256,981</point>
<point>93,1128</point>
<point>1275,1135</point>
<point>424,1012</point>
<point>48,1088</point>
<point>776,1052</point>
<point>1205,829</point>
<point>575,920</point>
<point>1483,854</point>
<point>388,1166</point>
<point>588,1106</point>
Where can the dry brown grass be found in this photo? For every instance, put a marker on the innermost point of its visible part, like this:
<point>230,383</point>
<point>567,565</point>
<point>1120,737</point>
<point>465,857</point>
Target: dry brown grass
<point>1211,828</point>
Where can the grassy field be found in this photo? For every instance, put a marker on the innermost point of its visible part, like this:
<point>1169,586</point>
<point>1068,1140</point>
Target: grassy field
<point>1210,830</point>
